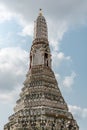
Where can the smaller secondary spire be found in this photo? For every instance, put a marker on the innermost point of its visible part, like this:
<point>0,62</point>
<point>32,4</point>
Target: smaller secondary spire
<point>40,12</point>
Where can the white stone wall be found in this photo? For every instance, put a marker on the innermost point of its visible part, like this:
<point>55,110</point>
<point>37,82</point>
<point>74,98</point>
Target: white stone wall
<point>38,58</point>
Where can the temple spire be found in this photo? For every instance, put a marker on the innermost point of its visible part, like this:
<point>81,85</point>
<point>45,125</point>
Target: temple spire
<point>40,27</point>
<point>40,51</point>
<point>41,105</point>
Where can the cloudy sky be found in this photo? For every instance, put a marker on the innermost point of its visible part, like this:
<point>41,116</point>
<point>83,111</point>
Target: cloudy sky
<point>67,28</point>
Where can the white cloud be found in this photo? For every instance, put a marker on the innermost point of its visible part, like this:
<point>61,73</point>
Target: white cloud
<point>60,16</point>
<point>69,80</point>
<point>59,58</point>
<point>63,10</point>
<point>27,30</point>
<point>10,96</point>
<point>13,67</point>
<point>66,82</point>
<point>58,76</point>
<point>78,112</point>
<point>56,32</point>
<point>5,14</point>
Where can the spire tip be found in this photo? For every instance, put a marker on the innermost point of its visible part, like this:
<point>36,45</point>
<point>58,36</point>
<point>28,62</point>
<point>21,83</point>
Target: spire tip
<point>40,12</point>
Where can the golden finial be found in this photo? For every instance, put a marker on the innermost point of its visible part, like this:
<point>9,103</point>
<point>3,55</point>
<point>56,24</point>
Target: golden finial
<point>40,12</point>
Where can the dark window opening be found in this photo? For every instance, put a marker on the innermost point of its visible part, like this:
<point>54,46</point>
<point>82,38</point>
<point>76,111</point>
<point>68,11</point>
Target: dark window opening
<point>46,55</point>
<point>47,62</point>
<point>46,59</point>
<point>30,60</point>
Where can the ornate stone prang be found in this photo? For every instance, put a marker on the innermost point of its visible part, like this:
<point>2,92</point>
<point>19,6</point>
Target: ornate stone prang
<point>41,105</point>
